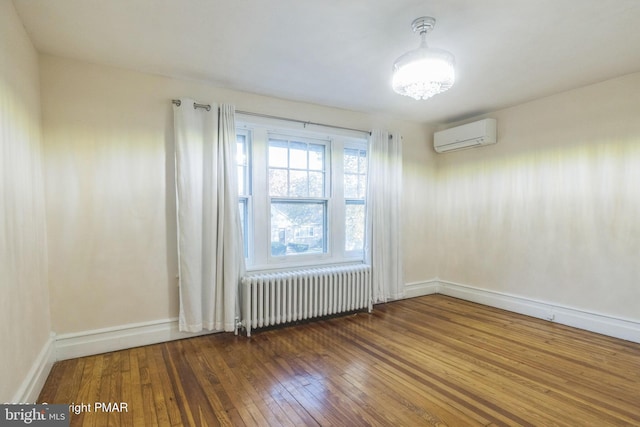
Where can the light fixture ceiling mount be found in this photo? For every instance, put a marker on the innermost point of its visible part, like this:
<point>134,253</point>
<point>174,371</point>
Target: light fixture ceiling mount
<point>423,72</point>
<point>424,24</point>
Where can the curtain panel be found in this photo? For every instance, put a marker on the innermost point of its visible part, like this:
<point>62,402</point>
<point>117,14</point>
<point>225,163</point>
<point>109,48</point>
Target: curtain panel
<point>383,241</point>
<point>210,253</point>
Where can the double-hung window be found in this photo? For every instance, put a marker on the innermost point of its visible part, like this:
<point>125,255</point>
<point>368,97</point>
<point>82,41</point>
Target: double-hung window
<point>355,189</point>
<point>298,190</point>
<point>302,196</point>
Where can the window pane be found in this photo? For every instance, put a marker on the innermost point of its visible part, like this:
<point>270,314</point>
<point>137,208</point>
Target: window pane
<point>354,226</point>
<point>242,205</point>
<point>241,151</point>
<point>301,173</point>
<point>362,186</point>
<point>316,157</point>
<point>298,184</point>
<point>297,228</point>
<point>350,160</point>
<point>355,173</point>
<point>362,162</point>
<point>298,155</point>
<point>278,153</point>
<point>316,184</point>
<point>242,163</point>
<point>241,183</point>
<point>351,186</point>
<point>278,185</point>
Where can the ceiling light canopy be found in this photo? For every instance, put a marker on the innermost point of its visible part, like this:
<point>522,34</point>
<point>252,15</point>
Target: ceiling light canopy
<point>423,72</point>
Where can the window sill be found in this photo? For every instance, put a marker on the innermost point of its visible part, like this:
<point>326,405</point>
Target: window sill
<point>301,265</point>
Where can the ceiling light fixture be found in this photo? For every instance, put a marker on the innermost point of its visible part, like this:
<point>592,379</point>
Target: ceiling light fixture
<point>423,72</point>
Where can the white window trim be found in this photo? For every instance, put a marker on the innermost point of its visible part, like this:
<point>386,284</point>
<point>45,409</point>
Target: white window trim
<point>259,251</point>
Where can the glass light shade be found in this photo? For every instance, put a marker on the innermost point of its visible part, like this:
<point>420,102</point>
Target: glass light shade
<point>423,72</point>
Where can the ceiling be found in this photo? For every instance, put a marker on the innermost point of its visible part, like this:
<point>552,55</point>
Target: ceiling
<point>339,53</point>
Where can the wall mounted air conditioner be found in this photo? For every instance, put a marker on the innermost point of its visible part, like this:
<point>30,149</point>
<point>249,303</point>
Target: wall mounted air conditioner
<point>474,134</point>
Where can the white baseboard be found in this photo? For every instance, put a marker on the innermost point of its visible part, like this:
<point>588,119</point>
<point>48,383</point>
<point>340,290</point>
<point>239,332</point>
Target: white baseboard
<point>603,324</point>
<point>121,337</point>
<point>418,289</point>
<point>36,377</point>
<point>86,343</point>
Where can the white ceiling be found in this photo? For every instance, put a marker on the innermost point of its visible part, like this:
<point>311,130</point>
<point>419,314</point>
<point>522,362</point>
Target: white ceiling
<point>339,53</point>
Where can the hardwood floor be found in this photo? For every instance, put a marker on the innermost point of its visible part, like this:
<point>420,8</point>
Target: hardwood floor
<point>431,360</point>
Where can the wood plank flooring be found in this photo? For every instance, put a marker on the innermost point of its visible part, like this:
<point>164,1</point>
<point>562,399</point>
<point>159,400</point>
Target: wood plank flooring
<point>431,360</point>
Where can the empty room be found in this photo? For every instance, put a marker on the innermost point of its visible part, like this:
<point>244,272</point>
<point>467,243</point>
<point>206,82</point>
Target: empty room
<point>280,212</point>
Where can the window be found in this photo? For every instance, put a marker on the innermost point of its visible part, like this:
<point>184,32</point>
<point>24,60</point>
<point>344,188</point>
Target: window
<point>355,188</point>
<point>297,191</point>
<point>244,182</point>
<point>302,196</point>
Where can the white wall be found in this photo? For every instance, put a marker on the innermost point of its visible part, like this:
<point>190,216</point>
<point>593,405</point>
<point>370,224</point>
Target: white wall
<point>24,304</point>
<point>552,212</point>
<point>548,214</point>
<point>110,193</point>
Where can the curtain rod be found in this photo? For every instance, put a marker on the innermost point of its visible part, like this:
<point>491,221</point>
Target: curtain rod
<point>268,116</point>
<point>195,105</point>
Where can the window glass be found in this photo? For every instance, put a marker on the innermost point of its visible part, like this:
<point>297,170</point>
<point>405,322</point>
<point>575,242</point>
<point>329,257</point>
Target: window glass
<point>278,153</point>
<point>354,226</point>
<point>355,173</point>
<point>244,184</point>
<point>242,160</point>
<point>355,187</point>
<point>297,174</point>
<point>296,169</point>
<point>297,227</point>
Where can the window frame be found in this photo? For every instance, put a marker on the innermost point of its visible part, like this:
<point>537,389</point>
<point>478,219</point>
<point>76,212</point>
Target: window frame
<point>258,240</point>
<point>325,199</point>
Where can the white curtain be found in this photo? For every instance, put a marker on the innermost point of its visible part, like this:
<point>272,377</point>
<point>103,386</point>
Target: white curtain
<point>383,247</point>
<point>210,252</point>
